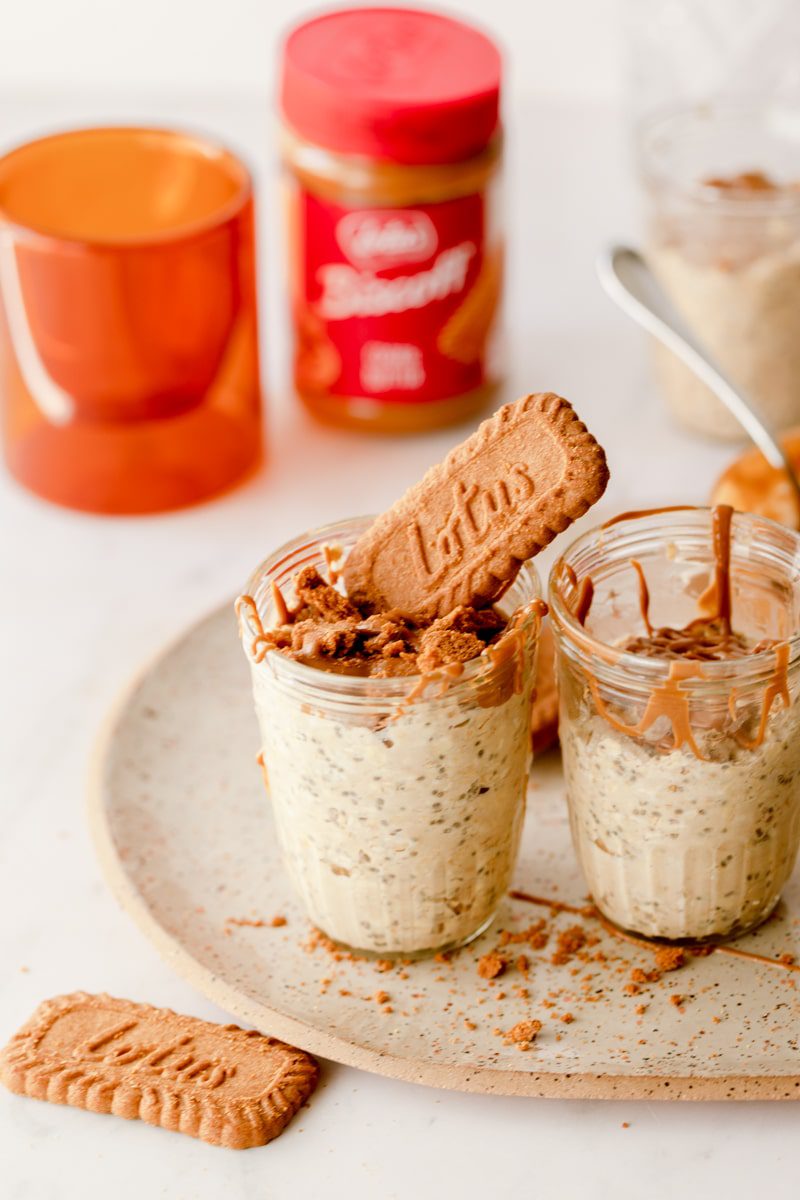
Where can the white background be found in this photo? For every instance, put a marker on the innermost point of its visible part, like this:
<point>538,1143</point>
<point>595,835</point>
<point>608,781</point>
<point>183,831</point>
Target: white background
<point>561,47</point>
<point>84,601</point>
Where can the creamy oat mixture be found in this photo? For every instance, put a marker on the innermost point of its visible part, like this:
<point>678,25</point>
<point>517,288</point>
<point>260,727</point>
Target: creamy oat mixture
<point>399,818</point>
<point>749,319</point>
<point>736,281</point>
<point>401,835</point>
<point>672,846</point>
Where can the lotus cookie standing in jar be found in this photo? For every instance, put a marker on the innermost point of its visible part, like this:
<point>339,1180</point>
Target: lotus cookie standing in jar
<point>678,636</point>
<point>393,666</point>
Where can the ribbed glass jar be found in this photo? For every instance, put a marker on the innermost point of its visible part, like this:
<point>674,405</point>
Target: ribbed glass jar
<point>399,815</point>
<point>683,777</point>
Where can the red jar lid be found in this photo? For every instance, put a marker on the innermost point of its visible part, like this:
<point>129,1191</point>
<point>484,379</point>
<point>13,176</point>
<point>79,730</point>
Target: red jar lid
<point>392,83</point>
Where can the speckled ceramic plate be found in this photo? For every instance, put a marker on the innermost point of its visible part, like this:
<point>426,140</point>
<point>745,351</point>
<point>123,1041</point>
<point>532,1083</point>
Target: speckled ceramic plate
<point>185,836</point>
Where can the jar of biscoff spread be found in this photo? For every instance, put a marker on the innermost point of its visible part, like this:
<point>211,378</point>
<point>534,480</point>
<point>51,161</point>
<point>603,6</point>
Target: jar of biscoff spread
<point>392,145</point>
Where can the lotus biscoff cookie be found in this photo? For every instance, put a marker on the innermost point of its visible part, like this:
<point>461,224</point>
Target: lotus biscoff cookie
<point>225,1085</point>
<point>460,534</point>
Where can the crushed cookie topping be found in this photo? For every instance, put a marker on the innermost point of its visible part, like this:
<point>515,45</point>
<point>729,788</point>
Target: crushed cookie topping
<point>327,630</point>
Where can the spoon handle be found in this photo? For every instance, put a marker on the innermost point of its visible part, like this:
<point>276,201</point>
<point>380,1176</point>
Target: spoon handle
<point>629,281</point>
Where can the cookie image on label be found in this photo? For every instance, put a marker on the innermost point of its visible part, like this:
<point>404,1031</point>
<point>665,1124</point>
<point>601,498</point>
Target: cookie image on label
<point>464,336</point>
<point>317,364</point>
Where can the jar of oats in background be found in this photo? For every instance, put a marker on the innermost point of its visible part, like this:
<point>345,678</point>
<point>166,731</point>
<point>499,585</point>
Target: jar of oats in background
<point>392,145</point>
<point>722,187</point>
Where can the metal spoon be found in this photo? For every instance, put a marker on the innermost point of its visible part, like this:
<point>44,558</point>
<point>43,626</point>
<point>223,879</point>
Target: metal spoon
<point>630,282</point>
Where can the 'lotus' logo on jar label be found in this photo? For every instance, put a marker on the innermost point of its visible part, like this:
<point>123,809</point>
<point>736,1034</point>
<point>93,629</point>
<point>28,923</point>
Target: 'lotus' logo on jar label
<point>386,237</point>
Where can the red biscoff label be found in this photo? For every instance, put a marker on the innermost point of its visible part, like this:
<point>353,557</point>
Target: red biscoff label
<point>394,304</point>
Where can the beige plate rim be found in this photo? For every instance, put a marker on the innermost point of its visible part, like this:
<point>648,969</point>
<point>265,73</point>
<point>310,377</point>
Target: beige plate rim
<point>250,1010</point>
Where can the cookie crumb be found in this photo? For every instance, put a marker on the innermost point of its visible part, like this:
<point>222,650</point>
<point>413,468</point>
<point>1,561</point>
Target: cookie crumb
<point>670,958</point>
<point>523,1034</point>
<point>491,965</point>
<point>569,942</point>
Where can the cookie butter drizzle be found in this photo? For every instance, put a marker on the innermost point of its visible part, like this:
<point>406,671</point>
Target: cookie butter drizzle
<point>585,590</point>
<point>590,912</point>
<point>706,639</point>
<point>644,595</point>
<point>249,619</point>
<point>510,648</point>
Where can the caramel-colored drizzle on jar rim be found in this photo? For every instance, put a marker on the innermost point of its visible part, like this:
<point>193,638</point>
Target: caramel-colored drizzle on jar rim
<point>250,622</point>
<point>706,636</point>
<point>508,649</point>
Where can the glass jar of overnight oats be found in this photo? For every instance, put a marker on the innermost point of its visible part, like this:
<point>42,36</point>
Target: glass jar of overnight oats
<point>678,639</point>
<point>398,801</point>
<point>723,213</point>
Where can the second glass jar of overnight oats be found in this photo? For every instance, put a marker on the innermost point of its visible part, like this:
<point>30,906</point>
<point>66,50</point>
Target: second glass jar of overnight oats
<point>722,187</point>
<point>683,772</point>
<point>398,801</point>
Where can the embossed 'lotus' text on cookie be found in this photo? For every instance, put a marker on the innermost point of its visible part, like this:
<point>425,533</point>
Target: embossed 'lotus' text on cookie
<point>475,510</point>
<point>460,534</point>
<point>226,1085</point>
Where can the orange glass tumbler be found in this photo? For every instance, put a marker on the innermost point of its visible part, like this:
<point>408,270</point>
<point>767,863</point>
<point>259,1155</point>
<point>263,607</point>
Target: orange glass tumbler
<point>129,372</point>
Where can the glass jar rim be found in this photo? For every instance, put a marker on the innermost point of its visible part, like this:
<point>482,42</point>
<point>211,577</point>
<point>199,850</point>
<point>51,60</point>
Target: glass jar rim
<point>671,120</point>
<point>369,688</point>
<point>628,669</point>
<point>203,146</point>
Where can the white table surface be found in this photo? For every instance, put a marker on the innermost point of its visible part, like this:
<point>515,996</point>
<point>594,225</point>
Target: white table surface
<point>83,601</point>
